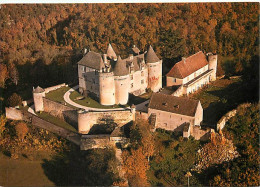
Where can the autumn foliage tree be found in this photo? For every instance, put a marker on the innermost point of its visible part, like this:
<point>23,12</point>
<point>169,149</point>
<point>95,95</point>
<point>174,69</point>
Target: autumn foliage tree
<point>14,100</point>
<point>21,130</point>
<point>136,161</point>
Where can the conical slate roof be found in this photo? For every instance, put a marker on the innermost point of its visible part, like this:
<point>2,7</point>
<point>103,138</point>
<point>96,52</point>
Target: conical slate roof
<point>120,68</point>
<point>38,90</point>
<point>110,52</point>
<point>151,57</point>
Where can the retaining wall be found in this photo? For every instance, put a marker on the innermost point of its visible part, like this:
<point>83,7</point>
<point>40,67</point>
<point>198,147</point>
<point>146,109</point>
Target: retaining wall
<point>16,114</point>
<point>13,113</point>
<point>222,122</point>
<point>54,87</point>
<point>61,111</point>
<point>86,119</point>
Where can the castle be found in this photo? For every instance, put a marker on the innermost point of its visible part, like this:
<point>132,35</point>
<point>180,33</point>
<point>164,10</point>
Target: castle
<point>111,78</point>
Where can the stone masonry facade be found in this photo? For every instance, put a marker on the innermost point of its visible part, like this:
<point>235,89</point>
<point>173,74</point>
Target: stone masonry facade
<point>111,79</point>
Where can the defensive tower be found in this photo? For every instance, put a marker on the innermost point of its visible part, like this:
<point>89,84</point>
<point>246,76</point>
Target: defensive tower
<point>38,95</point>
<point>154,70</point>
<point>213,62</point>
<point>121,77</point>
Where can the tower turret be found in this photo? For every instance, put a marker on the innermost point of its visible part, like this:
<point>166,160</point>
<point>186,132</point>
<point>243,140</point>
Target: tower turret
<point>121,77</point>
<point>154,70</point>
<point>107,88</point>
<point>213,62</point>
<point>38,95</point>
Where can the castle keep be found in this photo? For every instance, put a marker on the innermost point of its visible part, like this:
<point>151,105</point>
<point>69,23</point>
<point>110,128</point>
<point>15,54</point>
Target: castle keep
<point>111,78</point>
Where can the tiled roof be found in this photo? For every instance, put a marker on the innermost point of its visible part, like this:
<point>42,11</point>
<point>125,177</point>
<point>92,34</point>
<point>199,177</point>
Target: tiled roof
<point>120,68</point>
<point>151,57</point>
<point>188,66</point>
<point>92,60</point>
<point>169,103</point>
<point>110,52</point>
<point>38,90</point>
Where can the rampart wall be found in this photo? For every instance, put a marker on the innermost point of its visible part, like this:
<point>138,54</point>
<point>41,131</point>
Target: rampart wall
<point>87,119</point>
<point>16,114</point>
<point>61,111</point>
<point>54,87</point>
<point>13,113</point>
<point>222,122</point>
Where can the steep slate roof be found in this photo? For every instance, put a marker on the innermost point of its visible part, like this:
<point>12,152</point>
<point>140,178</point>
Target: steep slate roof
<point>38,90</point>
<point>135,61</point>
<point>93,60</point>
<point>188,66</point>
<point>169,103</point>
<point>151,57</point>
<point>110,52</point>
<point>120,68</point>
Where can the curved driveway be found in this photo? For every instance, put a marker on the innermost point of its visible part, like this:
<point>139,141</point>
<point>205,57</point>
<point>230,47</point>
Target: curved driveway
<point>69,101</point>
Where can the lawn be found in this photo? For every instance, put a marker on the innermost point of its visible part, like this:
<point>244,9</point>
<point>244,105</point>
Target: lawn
<point>56,121</point>
<point>89,102</point>
<point>23,172</point>
<point>219,97</point>
<point>57,95</point>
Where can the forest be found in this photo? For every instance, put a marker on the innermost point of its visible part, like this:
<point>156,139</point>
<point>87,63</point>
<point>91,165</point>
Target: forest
<point>40,44</point>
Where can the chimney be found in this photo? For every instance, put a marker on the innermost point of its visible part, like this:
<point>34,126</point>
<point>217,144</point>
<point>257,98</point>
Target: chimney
<point>184,59</point>
<point>85,51</point>
<point>105,58</point>
<point>133,46</point>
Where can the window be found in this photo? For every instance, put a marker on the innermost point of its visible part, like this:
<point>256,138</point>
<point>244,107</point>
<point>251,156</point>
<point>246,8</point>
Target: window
<point>174,79</point>
<point>132,85</point>
<point>165,124</point>
<point>131,77</point>
<point>83,68</point>
<point>142,73</point>
<point>142,81</point>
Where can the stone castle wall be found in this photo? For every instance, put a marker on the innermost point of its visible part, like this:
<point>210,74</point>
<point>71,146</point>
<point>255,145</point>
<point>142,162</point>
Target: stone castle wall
<point>86,119</point>
<point>47,90</point>
<point>61,111</point>
<point>13,113</point>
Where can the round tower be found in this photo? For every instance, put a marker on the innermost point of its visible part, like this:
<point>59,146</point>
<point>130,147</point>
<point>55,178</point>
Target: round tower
<point>154,70</point>
<point>38,95</point>
<point>106,88</point>
<point>213,62</point>
<point>122,82</point>
<point>83,122</point>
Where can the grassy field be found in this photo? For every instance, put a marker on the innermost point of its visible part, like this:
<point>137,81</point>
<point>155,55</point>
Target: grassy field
<point>89,102</point>
<point>23,172</point>
<point>219,97</point>
<point>56,121</point>
<point>57,95</point>
<point>174,157</point>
